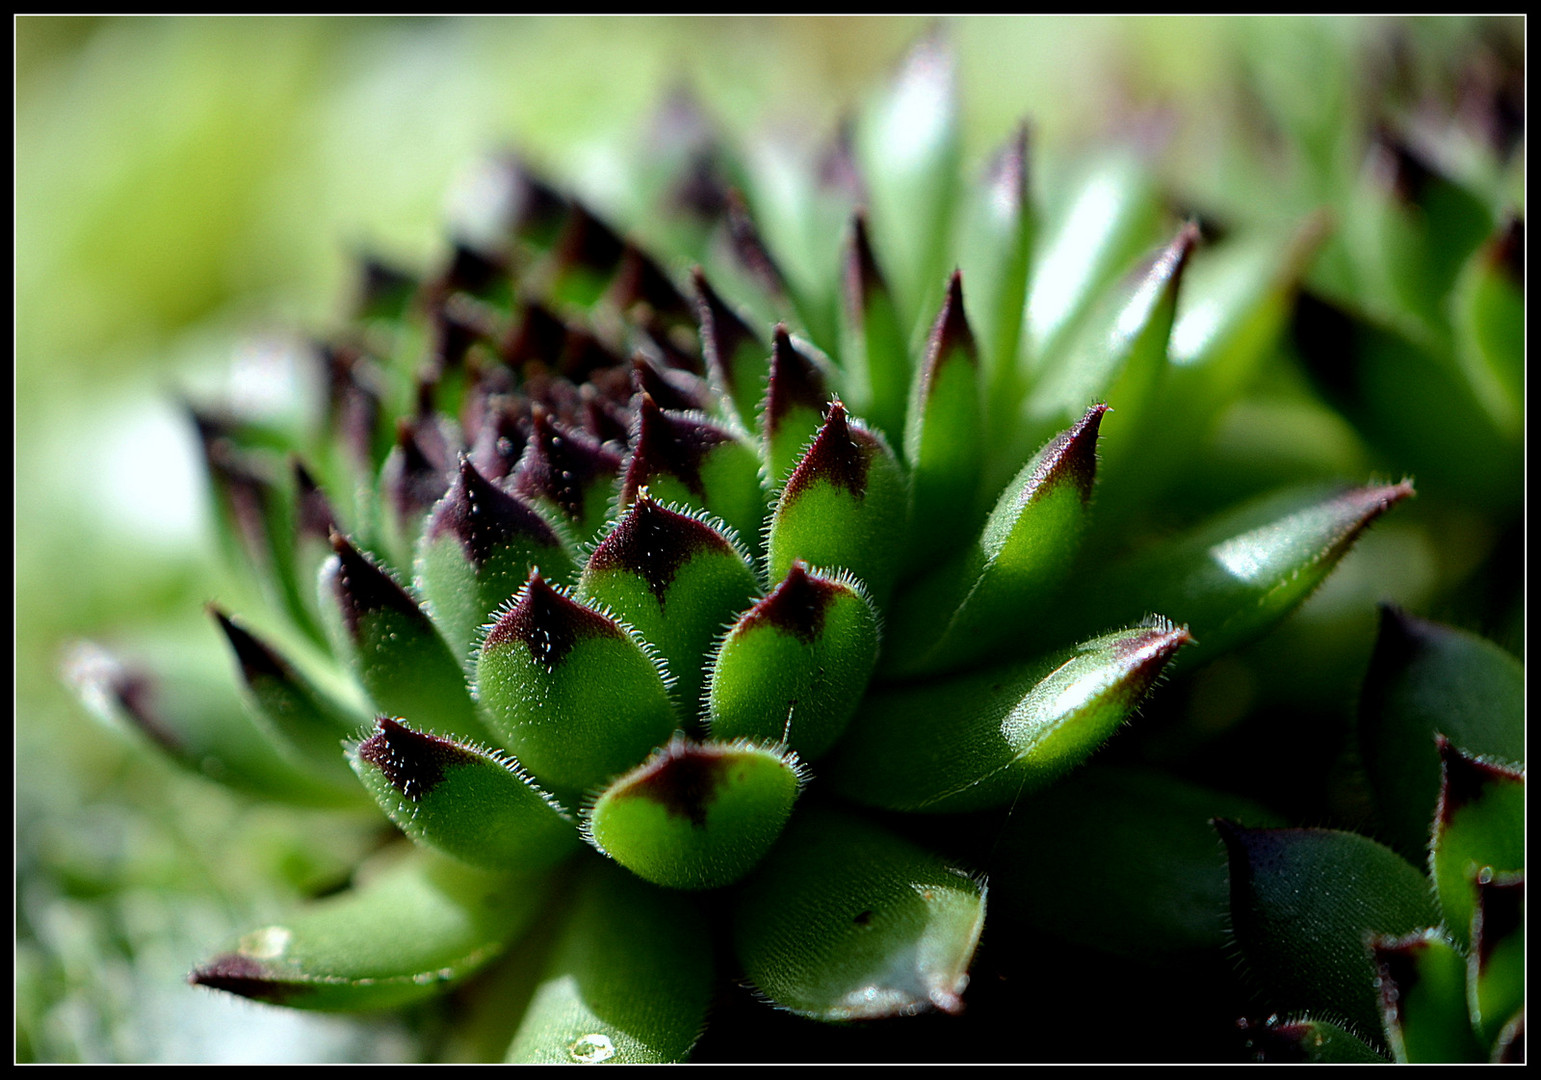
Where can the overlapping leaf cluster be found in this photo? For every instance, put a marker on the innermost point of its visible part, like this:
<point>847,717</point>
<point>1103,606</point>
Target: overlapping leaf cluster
<point>670,579</point>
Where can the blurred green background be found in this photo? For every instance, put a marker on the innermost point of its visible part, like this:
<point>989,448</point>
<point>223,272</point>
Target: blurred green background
<point>185,186</point>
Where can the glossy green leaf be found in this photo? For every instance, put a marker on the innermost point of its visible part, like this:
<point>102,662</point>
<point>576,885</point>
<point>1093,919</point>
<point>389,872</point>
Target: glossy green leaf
<point>995,248</point>
<point>463,801</point>
<point>1479,831</point>
<point>1234,579</point>
<point>1118,354</point>
<point>941,433</point>
<point>1303,903</point>
<point>829,936</point>
<point>1427,679</point>
<point>1422,983</point>
<point>1488,314</point>
<point>980,740</point>
<point>1495,973</point>
<point>795,402</point>
<point>405,934</point>
<point>1120,859</point>
<point>974,606</point>
<point>1110,215</point>
<point>697,815</point>
<point>629,980</point>
<point>874,343</point>
<point>909,147</point>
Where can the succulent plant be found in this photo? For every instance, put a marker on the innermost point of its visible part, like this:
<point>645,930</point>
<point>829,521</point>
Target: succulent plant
<point>689,591</point>
<point>1364,955</point>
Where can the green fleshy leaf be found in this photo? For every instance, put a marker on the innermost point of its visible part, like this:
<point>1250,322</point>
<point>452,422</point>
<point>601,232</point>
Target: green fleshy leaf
<point>909,146</point>
<point>1488,314</point>
<point>1422,982</point>
<point>1427,679</point>
<point>296,714</point>
<point>980,740</point>
<point>1495,974</point>
<point>794,667</point>
<point>795,402</point>
<point>673,579</point>
<point>187,706</point>
<point>1304,901</point>
<point>570,691</point>
<point>830,934</point>
<point>393,648</point>
<point>941,440</point>
<point>1408,401</point>
<point>995,255</point>
<point>690,462</point>
<point>1113,215</point>
<point>403,935</point>
<point>736,359</point>
<point>462,801</point>
<point>698,815</point>
<point>1232,309</point>
<point>1308,1042</point>
<point>629,980</point>
<point>1479,831</point>
<point>476,552</point>
<point>1234,579</point>
<point>874,345</point>
<point>567,474</point>
<point>255,518</point>
<point>1118,353</point>
<point>843,507</point>
<point>976,605</point>
<point>1120,860</point>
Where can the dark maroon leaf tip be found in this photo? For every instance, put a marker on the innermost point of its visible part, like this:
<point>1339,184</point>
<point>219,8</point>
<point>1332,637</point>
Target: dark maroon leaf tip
<point>561,466</point>
<point>642,282</point>
<point>258,662</point>
<point>950,335</point>
<point>1500,914</point>
<point>412,762</point>
<point>840,455</point>
<point>669,445</point>
<point>548,623</point>
<point>723,333</point>
<point>235,973</point>
<point>684,778</point>
<point>653,542</point>
<point>1069,456</point>
<point>1464,778</point>
<point>362,587</point>
<point>484,518</point>
<point>750,249</point>
<point>795,380</point>
<point>588,242</point>
<point>796,606</point>
<point>862,276</point>
<point>675,390</point>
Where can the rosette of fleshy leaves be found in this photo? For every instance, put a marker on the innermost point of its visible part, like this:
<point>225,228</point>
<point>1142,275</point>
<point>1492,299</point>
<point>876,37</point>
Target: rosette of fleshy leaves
<point>1409,946</point>
<point>653,580</point>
